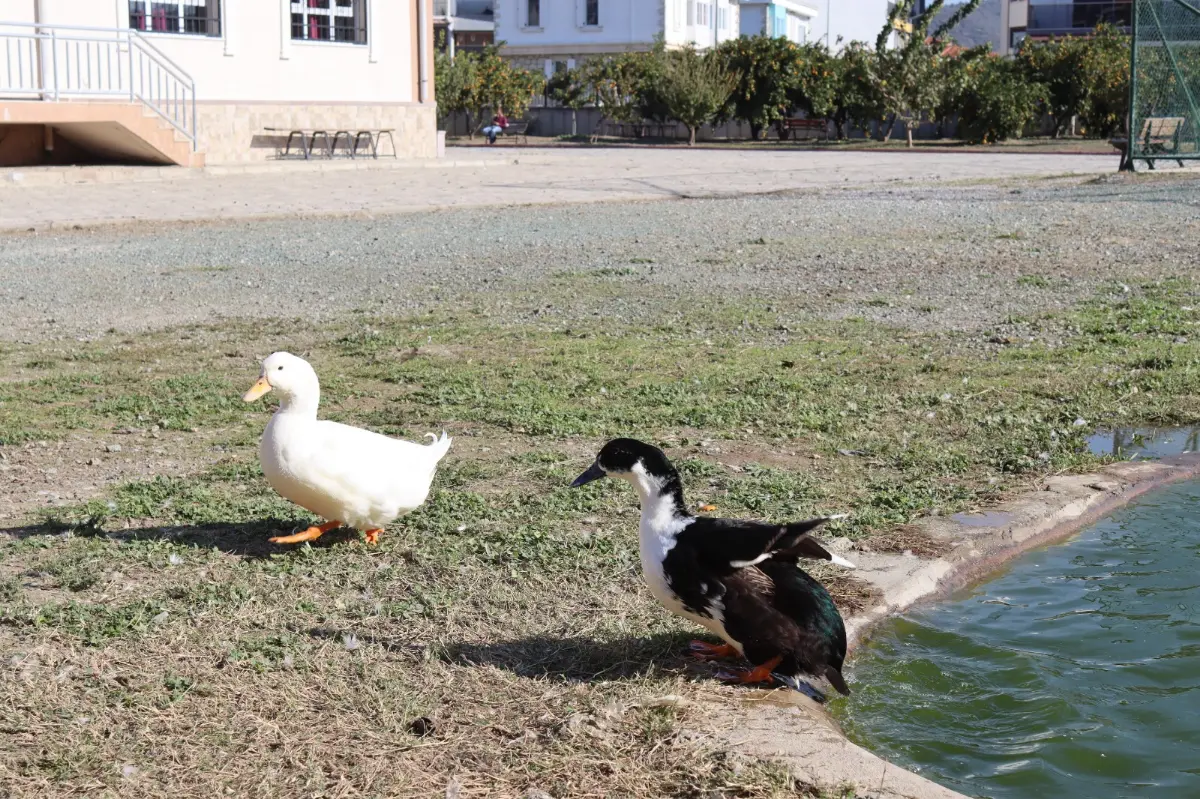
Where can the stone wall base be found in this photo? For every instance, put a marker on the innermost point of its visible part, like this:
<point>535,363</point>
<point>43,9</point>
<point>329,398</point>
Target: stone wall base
<point>236,133</point>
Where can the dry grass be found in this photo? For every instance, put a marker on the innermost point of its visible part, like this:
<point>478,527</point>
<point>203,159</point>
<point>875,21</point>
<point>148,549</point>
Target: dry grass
<point>907,538</point>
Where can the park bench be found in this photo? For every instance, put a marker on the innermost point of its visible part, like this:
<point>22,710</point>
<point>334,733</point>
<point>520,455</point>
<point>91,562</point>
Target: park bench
<point>516,130</point>
<point>355,139</point>
<point>812,128</point>
<point>1158,135</point>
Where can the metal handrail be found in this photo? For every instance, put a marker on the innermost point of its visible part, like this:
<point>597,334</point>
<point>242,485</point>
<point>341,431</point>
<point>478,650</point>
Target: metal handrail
<point>109,71</point>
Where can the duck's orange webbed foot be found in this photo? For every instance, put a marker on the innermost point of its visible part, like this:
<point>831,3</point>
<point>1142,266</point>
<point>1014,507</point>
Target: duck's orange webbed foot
<point>702,650</point>
<point>311,534</point>
<point>373,535</point>
<point>758,674</point>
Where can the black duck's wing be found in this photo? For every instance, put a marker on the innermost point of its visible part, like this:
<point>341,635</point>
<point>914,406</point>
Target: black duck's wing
<point>820,630</point>
<point>725,545</point>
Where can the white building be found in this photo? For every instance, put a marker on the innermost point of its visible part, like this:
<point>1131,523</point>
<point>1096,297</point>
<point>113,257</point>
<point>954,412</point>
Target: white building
<point>552,34</point>
<point>189,81</point>
<point>790,19</point>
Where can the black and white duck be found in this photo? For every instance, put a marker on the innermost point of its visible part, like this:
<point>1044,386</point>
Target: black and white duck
<point>738,579</point>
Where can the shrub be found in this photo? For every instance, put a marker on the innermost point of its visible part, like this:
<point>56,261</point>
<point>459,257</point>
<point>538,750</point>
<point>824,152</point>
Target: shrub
<point>693,88</point>
<point>768,70</point>
<point>997,100</point>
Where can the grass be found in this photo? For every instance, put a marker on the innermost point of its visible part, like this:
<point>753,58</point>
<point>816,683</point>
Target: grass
<point>499,639</point>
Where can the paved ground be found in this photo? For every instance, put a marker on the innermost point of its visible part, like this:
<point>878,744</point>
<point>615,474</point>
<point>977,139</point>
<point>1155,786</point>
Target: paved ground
<point>539,177</point>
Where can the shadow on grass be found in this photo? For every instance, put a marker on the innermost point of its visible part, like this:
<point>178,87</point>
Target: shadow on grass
<point>244,539</point>
<point>582,659</point>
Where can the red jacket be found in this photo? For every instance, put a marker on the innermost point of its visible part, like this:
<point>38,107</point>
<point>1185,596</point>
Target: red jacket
<point>500,120</point>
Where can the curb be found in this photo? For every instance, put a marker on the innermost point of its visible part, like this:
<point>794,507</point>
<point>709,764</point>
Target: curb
<point>814,747</point>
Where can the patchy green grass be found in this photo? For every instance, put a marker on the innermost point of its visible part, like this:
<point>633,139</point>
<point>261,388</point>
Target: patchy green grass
<point>499,638</point>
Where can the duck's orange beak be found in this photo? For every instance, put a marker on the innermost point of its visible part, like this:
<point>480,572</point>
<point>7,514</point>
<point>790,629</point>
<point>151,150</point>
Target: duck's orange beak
<point>257,390</point>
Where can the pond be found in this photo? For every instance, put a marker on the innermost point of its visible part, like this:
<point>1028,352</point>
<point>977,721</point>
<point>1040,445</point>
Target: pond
<point>1074,673</point>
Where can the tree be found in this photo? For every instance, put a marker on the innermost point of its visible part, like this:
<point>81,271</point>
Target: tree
<point>569,88</point>
<point>768,68</point>
<point>855,98</point>
<point>454,84</point>
<point>614,83</point>
<point>501,85</point>
<point>997,100</point>
<point>907,78</point>
<point>1057,64</point>
<point>1106,72</point>
<point>694,87</point>
<point>814,89</point>
<point>477,83</point>
<point>1085,77</point>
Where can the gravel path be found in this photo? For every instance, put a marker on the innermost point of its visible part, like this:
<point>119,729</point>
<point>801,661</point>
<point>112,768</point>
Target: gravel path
<point>944,257</point>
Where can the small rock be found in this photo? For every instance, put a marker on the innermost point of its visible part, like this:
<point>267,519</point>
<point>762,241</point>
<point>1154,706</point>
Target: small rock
<point>422,727</point>
<point>113,448</point>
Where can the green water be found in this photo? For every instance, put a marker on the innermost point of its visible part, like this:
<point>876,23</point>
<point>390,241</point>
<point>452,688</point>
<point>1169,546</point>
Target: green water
<point>1074,674</point>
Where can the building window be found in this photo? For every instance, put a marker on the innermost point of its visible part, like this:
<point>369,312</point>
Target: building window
<point>197,17</point>
<point>330,21</point>
<point>533,14</point>
<point>591,13</point>
<point>691,12</point>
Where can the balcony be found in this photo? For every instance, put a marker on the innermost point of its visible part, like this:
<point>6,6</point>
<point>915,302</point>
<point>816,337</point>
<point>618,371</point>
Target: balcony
<point>1076,18</point>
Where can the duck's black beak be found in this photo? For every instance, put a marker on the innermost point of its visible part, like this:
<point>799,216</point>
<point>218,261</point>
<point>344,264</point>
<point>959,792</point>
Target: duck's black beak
<point>594,472</point>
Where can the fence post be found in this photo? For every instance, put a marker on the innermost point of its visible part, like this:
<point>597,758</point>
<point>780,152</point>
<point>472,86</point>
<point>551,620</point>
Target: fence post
<point>54,63</point>
<point>1126,164</point>
<point>129,50</point>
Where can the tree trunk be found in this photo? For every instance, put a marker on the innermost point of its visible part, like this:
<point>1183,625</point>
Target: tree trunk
<point>574,128</point>
<point>889,126</point>
<point>755,131</point>
<point>908,130</point>
<point>691,136</point>
<point>470,126</point>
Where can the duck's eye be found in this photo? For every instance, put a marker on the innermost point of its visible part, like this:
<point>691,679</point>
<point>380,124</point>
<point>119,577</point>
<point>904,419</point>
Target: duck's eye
<point>281,368</point>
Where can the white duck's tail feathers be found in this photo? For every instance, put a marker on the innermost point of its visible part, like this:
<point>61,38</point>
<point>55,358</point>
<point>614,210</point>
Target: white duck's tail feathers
<point>439,446</point>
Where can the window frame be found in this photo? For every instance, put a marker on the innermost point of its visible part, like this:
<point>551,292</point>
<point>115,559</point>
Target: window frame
<point>591,13</point>
<point>530,20</point>
<point>148,15</point>
<point>332,11</point>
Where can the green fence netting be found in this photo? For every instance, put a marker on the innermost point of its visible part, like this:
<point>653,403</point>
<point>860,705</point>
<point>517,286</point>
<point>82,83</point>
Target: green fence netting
<point>1164,112</point>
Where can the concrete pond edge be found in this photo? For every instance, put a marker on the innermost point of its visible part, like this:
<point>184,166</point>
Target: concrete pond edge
<point>787,727</point>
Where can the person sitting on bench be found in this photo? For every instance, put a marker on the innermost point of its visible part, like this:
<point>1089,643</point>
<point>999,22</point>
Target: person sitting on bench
<point>499,123</point>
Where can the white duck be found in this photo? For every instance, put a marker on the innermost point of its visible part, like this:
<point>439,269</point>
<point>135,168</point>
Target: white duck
<point>341,473</point>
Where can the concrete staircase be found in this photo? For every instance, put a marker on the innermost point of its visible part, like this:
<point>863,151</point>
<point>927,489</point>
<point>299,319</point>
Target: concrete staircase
<point>71,94</point>
<point>108,130</point>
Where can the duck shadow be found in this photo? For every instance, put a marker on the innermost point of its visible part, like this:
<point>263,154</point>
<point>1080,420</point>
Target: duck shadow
<point>583,659</point>
<point>243,539</point>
